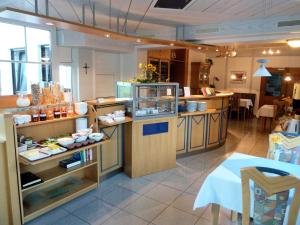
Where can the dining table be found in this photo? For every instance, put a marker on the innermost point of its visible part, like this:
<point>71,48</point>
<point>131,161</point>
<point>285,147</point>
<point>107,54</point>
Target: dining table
<point>222,187</point>
<point>246,103</point>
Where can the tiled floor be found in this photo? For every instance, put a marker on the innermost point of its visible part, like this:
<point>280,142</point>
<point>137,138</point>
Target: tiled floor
<point>164,198</point>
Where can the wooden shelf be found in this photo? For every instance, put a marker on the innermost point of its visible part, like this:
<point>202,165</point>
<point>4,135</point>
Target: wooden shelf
<point>50,121</point>
<point>47,204</point>
<point>104,124</point>
<point>197,113</point>
<point>58,172</point>
<point>70,152</point>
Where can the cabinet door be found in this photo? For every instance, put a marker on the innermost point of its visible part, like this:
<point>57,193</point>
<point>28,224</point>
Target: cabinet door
<point>111,153</point>
<point>181,135</point>
<point>197,132</point>
<point>224,125</point>
<point>214,126</point>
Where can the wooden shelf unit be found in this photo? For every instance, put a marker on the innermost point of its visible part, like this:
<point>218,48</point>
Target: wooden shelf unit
<point>55,189</point>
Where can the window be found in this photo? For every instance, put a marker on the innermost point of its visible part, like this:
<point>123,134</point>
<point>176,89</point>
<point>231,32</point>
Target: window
<point>25,58</point>
<point>65,76</point>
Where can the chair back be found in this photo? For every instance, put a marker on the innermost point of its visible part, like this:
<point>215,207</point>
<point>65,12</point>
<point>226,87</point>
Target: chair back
<point>271,194</point>
<point>235,104</point>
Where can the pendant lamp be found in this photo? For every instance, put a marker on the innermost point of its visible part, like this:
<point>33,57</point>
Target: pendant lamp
<point>262,71</point>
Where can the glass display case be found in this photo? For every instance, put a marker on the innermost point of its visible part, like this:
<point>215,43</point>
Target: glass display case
<point>149,100</point>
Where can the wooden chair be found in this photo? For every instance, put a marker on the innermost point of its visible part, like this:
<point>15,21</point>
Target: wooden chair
<point>271,196</point>
<point>235,106</point>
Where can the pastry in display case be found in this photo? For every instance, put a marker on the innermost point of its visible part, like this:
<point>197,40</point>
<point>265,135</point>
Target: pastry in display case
<point>149,100</point>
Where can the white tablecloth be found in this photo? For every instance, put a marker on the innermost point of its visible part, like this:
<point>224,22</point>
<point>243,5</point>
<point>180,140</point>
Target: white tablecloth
<point>247,103</point>
<point>223,185</point>
<point>266,111</point>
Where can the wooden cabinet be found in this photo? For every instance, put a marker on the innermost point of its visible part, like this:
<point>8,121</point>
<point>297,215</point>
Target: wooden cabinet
<point>150,146</point>
<point>197,128</point>
<point>111,153</point>
<point>159,54</point>
<point>181,140</point>
<point>213,124</point>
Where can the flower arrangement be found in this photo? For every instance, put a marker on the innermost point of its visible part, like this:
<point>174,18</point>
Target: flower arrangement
<point>148,74</point>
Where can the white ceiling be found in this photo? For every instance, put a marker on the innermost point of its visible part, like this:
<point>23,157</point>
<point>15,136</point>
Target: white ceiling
<point>197,13</point>
<point>143,18</point>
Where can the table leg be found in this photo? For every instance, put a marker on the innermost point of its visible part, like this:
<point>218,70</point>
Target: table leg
<point>215,210</point>
<point>233,216</point>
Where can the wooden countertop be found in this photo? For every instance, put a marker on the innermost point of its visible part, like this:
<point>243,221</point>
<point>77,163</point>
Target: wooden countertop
<point>109,101</point>
<point>208,111</point>
<point>218,95</point>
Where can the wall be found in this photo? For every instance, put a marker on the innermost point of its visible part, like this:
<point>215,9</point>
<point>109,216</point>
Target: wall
<point>222,69</point>
<point>194,56</point>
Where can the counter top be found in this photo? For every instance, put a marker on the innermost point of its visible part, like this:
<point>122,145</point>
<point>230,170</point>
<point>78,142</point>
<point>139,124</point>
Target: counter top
<point>109,101</point>
<point>208,111</point>
<point>218,95</point>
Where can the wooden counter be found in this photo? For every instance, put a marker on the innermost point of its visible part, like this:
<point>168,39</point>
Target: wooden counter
<point>202,131</point>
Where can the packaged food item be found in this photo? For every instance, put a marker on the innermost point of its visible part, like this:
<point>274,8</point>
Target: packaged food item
<point>70,110</point>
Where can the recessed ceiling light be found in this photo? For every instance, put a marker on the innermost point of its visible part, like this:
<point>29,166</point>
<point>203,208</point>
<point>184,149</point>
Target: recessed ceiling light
<point>107,35</point>
<point>49,23</point>
<point>138,40</point>
<point>264,52</point>
<point>171,44</point>
<point>278,51</point>
<point>294,43</point>
<point>217,50</point>
<point>199,48</point>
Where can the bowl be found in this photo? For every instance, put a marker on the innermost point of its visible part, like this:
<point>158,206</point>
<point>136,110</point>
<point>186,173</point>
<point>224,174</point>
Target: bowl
<point>65,141</point>
<point>81,138</point>
<point>96,136</point>
<point>119,118</point>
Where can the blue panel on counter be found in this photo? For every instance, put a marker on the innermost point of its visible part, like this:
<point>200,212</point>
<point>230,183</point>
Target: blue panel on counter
<point>155,128</point>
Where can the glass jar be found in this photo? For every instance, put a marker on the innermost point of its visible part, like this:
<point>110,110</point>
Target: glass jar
<point>70,110</point>
<point>43,115</point>
<point>23,100</point>
<point>63,111</point>
<point>35,115</point>
<point>56,112</point>
<point>49,113</point>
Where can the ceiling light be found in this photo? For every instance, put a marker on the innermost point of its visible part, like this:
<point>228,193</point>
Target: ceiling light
<point>233,53</point>
<point>287,78</point>
<point>199,48</point>
<point>217,50</point>
<point>49,23</point>
<point>264,52</point>
<point>233,77</point>
<point>294,43</point>
<point>278,51</point>
<point>262,71</point>
<point>171,44</point>
<point>107,35</point>
<point>270,52</point>
<point>138,40</point>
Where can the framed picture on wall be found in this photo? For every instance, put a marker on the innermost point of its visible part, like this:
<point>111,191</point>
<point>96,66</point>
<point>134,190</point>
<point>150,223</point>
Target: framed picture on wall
<point>238,76</point>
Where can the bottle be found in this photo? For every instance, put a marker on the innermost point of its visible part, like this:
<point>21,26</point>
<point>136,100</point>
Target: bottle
<point>35,116</point>
<point>43,115</point>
